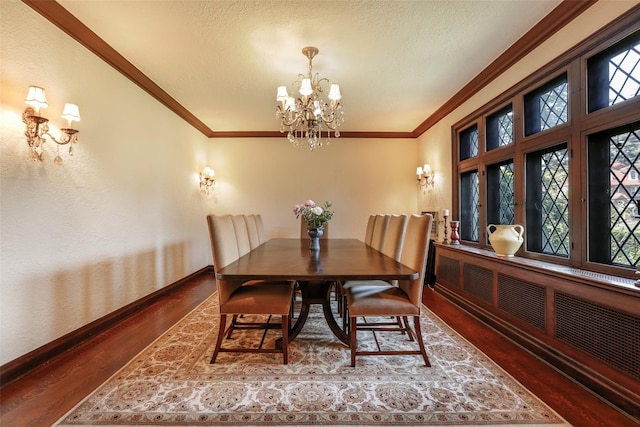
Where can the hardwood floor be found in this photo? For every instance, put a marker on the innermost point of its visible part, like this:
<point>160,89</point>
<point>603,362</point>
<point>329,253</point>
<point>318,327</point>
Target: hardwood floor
<point>41,397</point>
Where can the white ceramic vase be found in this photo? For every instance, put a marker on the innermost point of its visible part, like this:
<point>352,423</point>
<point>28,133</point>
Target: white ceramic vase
<point>505,239</point>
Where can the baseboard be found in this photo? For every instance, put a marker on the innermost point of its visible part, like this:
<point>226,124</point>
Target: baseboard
<point>18,367</point>
<point>624,399</point>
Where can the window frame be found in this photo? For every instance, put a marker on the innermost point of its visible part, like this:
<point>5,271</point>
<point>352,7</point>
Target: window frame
<point>575,132</point>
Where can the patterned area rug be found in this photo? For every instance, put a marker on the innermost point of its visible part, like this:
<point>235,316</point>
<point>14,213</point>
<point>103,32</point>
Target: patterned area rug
<point>172,383</point>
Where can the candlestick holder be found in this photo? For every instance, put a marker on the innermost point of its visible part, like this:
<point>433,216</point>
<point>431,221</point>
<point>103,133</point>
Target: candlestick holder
<point>446,240</point>
<point>455,230</point>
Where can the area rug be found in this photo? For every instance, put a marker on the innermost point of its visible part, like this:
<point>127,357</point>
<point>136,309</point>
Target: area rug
<point>172,383</point>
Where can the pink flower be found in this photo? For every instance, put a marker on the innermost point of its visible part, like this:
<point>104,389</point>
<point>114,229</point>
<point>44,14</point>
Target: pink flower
<point>297,209</point>
<point>310,203</point>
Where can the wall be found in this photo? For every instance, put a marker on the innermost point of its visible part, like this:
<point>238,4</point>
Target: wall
<point>269,176</point>
<point>123,217</point>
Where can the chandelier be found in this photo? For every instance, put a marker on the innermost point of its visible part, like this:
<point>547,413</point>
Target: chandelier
<point>310,115</point>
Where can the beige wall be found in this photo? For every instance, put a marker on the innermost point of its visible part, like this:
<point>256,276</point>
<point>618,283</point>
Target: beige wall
<point>124,217</point>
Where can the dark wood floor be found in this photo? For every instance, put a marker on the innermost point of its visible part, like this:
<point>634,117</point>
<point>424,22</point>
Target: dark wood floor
<point>43,396</point>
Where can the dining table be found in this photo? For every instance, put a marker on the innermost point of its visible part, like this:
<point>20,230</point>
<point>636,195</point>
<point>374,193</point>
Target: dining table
<point>315,272</point>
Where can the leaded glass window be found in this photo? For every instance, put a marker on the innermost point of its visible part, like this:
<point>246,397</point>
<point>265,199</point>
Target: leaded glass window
<point>500,128</point>
<point>469,143</point>
<point>614,196</point>
<point>470,206</point>
<point>500,190</point>
<point>547,204</point>
<point>577,178</point>
<point>547,107</point>
<point>614,75</point>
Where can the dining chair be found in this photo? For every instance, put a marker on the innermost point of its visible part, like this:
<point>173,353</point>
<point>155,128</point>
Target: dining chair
<point>368,235</point>
<point>394,236</point>
<point>405,300</point>
<point>394,239</point>
<point>260,226</point>
<point>252,229</point>
<point>379,232</point>
<point>244,298</point>
<point>242,234</point>
<point>244,246</point>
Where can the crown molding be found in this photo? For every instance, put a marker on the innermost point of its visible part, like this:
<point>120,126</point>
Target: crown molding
<point>564,13</point>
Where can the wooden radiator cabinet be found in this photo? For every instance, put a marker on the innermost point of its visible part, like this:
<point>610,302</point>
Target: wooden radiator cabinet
<point>586,325</point>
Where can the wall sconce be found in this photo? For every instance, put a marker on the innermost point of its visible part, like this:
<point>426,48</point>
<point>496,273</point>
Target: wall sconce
<point>38,126</point>
<point>206,180</point>
<point>426,177</point>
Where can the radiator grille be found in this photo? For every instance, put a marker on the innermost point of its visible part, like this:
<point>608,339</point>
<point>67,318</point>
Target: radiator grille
<point>522,299</point>
<point>478,281</point>
<point>448,270</point>
<point>608,335</point>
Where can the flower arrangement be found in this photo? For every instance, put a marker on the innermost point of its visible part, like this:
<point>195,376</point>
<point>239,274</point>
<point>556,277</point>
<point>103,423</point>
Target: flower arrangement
<point>315,216</point>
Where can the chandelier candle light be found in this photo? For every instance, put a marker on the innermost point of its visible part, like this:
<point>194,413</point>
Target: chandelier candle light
<point>310,114</point>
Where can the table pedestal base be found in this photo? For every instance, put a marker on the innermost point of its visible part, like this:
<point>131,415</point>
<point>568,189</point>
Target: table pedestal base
<point>317,292</point>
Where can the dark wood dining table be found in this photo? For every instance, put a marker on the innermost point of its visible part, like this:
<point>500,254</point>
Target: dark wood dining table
<point>316,271</point>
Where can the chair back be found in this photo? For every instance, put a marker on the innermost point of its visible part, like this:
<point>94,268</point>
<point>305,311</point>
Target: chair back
<point>368,235</point>
<point>224,248</point>
<point>379,232</point>
<point>305,235</point>
<point>262,237</point>
<point>394,237</point>
<point>242,234</point>
<point>414,254</point>
<point>252,229</point>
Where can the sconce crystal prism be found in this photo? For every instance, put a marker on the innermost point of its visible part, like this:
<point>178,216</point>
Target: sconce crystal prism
<point>37,127</point>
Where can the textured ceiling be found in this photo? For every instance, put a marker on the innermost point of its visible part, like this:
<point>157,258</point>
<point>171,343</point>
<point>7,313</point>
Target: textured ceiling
<point>396,61</point>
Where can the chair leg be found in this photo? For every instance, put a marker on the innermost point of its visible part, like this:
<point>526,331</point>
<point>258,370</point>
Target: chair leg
<point>352,334</point>
<point>285,339</point>
<point>406,326</point>
<point>416,324</point>
<point>234,320</point>
<point>223,324</point>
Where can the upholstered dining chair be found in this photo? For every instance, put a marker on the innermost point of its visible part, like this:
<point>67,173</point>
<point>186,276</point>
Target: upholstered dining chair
<point>262,237</point>
<point>405,300</point>
<point>379,232</point>
<point>244,298</point>
<point>395,231</point>
<point>244,246</point>
<point>252,229</point>
<point>368,235</point>
<point>242,234</point>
